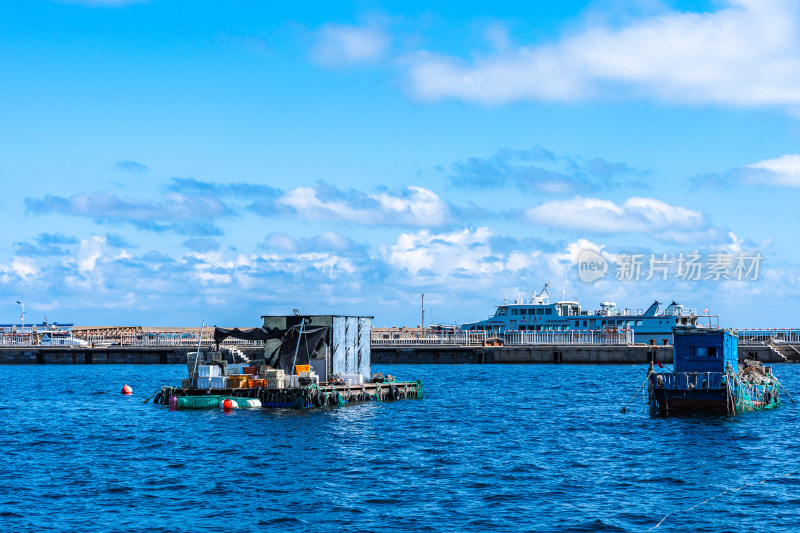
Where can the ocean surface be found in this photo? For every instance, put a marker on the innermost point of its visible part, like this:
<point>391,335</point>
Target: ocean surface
<point>490,448</point>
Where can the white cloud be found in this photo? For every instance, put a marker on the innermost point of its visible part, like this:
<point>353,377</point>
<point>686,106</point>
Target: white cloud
<point>339,45</point>
<point>783,171</point>
<point>442,253</point>
<point>88,253</point>
<point>746,53</point>
<point>635,215</point>
<point>415,206</point>
<point>25,268</point>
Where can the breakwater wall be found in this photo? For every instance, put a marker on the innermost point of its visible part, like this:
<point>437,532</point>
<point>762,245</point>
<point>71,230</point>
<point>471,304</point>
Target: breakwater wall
<point>564,354</point>
<point>114,355</point>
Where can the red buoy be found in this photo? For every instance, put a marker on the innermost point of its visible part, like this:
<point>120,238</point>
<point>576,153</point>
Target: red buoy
<point>126,389</point>
<point>227,405</point>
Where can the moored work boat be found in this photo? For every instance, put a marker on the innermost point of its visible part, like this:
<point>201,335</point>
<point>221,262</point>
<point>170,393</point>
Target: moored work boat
<point>707,376</point>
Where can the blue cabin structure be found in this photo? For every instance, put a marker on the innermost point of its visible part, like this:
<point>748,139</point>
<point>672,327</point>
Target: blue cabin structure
<point>705,350</point>
<point>706,376</point>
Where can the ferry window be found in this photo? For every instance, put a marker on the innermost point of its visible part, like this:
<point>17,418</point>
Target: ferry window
<point>712,351</point>
<point>700,351</point>
<point>548,311</point>
<point>584,323</point>
<point>523,311</point>
<point>513,311</point>
<point>502,311</point>
<point>576,323</point>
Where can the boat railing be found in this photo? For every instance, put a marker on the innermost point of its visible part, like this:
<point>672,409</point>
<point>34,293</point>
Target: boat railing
<point>768,336</point>
<point>687,380</point>
<point>512,338</point>
<point>571,336</point>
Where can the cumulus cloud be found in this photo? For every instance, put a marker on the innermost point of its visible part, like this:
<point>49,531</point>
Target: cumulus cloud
<point>328,241</point>
<point>539,170</point>
<point>635,215</point>
<point>743,54</point>
<point>783,171</point>
<point>344,45</point>
<point>251,191</point>
<point>45,244</point>
<point>465,252</point>
<point>414,206</point>
<point>174,212</point>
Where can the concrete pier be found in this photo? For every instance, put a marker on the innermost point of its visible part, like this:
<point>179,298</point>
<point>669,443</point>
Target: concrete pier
<point>571,354</point>
<point>434,354</point>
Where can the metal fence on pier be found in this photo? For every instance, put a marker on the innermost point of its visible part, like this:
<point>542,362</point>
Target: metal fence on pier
<point>402,338</point>
<point>182,339</point>
<point>768,336</point>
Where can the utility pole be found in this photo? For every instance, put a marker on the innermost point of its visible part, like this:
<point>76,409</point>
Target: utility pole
<point>423,311</point>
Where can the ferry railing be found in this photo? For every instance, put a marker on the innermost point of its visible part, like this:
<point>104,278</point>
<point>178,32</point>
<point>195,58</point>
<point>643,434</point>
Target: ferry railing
<point>769,336</point>
<point>588,336</point>
<point>511,338</point>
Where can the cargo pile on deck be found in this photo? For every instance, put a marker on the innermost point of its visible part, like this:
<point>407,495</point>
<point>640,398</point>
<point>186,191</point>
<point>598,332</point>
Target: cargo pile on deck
<point>309,361</point>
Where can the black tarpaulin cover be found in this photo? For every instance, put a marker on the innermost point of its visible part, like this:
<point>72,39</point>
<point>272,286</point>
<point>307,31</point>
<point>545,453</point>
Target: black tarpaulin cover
<point>312,339</point>
<point>252,334</point>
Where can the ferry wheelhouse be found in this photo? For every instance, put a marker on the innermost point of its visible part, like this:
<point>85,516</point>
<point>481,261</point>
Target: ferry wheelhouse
<point>650,326</point>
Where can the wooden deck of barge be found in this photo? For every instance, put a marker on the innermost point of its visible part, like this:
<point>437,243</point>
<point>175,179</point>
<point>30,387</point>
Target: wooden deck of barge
<point>322,395</point>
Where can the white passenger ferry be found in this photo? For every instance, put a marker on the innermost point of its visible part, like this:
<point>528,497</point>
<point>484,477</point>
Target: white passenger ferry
<point>649,326</point>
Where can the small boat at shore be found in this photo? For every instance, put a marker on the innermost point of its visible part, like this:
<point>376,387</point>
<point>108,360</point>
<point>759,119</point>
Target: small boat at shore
<point>707,376</point>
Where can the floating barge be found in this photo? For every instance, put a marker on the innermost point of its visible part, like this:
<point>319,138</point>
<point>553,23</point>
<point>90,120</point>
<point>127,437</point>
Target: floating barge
<point>707,376</point>
<point>309,361</point>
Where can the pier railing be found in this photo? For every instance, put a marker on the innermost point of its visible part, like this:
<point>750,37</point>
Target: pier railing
<point>510,338</point>
<point>768,336</point>
<point>147,338</point>
<point>411,338</point>
<point>181,339</point>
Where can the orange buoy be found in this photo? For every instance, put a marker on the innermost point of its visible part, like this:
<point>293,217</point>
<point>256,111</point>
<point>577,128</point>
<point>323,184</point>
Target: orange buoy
<point>126,389</point>
<point>227,405</point>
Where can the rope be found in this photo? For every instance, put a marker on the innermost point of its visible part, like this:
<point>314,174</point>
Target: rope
<point>717,496</point>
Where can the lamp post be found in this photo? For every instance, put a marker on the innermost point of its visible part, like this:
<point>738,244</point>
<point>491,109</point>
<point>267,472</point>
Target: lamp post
<point>22,316</point>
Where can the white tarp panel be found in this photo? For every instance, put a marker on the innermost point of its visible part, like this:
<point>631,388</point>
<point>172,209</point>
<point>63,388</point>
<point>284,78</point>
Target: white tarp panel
<point>351,346</point>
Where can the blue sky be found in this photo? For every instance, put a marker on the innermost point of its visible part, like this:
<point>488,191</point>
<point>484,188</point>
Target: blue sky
<point>168,162</point>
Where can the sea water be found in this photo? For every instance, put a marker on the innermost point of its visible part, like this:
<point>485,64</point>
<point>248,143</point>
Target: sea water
<point>490,448</point>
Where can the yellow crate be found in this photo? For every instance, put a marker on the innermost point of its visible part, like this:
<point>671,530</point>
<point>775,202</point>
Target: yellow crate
<point>238,382</point>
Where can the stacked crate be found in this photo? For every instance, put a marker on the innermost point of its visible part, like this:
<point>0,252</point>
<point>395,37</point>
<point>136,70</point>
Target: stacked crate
<point>273,378</point>
<point>205,375</point>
